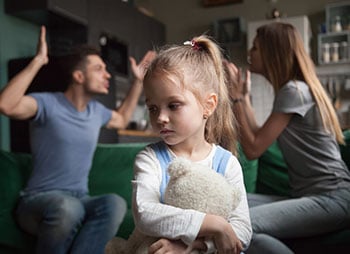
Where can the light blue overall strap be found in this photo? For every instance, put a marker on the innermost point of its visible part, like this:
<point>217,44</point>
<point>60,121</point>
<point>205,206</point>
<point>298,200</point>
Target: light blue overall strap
<point>220,159</point>
<point>164,159</point>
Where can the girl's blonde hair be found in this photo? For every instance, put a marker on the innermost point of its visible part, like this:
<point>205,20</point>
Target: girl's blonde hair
<point>198,66</point>
<point>285,58</point>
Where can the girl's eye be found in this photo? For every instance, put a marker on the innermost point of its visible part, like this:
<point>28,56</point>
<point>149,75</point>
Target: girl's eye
<point>152,110</point>
<point>174,106</point>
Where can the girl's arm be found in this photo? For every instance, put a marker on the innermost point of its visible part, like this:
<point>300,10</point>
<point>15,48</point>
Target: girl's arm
<point>151,216</point>
<point>235,233</point>
<point>164,245</point>
<point>191,227</point>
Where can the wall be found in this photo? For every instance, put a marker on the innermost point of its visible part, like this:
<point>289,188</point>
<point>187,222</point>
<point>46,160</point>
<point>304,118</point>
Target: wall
<point>18,39</point>
<point>185,18</point>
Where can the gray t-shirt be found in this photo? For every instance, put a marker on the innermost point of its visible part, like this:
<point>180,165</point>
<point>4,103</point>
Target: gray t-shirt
<point>63,141</point>
<point>311,154</point>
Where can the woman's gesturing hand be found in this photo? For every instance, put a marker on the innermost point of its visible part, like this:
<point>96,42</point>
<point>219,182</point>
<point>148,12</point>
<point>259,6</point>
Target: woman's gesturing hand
<point>238,83</point>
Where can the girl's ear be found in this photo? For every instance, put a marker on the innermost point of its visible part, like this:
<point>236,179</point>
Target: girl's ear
<point>210,104</point>
<point>78,76</point>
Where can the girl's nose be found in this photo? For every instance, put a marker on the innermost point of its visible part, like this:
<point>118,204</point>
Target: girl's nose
<point>162,117</point>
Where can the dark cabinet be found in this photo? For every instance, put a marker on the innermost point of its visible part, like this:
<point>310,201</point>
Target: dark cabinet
<point>49,12</point>
<point>132,31</point>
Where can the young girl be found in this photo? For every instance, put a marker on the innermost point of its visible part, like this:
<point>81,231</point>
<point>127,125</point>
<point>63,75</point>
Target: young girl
<point>190,109</point>
<point>307,130</point>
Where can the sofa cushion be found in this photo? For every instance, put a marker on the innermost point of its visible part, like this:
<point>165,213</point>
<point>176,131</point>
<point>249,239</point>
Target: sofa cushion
<point>112,172</point>
<point>345,149</point>
<point>250,171</point>
<point>14,173</point>
<point>272,173</point>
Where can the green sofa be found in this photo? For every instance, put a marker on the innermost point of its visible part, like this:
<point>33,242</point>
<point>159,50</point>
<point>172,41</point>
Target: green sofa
<point>112,171</point>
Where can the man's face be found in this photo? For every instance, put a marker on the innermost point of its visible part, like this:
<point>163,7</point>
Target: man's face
<point>96,75</point>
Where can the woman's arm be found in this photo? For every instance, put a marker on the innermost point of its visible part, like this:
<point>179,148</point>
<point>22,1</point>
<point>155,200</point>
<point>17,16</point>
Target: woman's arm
<point>254,140</point>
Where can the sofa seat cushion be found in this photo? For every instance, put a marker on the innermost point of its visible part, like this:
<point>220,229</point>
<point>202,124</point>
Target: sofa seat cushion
<point>14,173</point>
<point>112,172</point>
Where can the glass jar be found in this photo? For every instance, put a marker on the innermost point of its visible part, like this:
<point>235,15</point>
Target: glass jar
<point>334,52</point>
<point>344,51</point>
<point>325,53</point>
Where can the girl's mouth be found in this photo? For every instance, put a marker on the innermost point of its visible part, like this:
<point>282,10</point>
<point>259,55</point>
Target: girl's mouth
<point>165,131</point>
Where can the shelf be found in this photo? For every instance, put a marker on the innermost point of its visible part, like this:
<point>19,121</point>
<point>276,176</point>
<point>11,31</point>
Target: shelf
<point>333,46</point>
<point>333,69</point>
<point>342,40</point>
<point>338,9</point>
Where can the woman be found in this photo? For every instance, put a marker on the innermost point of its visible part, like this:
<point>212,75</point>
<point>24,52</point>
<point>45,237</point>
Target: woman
<point>305,125</point>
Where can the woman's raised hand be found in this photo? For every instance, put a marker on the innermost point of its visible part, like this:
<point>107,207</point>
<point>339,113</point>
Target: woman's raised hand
<point>238,83</point>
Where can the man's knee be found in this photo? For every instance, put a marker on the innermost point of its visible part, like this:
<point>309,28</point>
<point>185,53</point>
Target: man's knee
<point>65,212</point>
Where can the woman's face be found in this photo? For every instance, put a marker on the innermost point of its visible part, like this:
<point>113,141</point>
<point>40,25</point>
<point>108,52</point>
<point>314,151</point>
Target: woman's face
<point>255,60</point>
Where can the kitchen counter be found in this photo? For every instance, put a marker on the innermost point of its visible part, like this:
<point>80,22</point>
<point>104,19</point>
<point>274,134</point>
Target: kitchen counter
<point>137,136</point>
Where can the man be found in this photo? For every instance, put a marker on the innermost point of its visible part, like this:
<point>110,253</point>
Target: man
<point>55,205</point>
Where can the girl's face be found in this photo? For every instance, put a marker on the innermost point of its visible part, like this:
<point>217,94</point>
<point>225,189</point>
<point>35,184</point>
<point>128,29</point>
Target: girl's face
<point>256,64</point>
<point>175,113</point>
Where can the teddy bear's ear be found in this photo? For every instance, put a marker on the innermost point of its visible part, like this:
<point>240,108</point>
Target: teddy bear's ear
<point>178,167</point>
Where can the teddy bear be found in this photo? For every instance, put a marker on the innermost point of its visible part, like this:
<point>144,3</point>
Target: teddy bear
<point>191,186</point>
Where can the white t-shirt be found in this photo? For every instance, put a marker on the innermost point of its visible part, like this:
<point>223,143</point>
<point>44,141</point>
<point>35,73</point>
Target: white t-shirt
<point>160,220</point>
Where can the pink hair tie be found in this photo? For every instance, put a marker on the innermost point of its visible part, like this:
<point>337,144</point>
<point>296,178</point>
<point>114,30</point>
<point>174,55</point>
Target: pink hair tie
<point>193,44</point>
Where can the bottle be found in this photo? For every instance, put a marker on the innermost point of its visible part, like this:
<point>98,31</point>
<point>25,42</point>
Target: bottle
<point>344,51</point>
<point>337,27</point>
<point>334,52</point>
<point>325,53</point>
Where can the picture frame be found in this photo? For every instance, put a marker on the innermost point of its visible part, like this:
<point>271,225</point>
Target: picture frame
<point>209,3</point>
<point>227,31</point>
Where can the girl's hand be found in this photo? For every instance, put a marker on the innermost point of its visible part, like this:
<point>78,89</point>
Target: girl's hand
<point>227,241</point>
<point>42,51</point>
<point>140,69</point>
<point>238,85</point>
<point>164,245</point>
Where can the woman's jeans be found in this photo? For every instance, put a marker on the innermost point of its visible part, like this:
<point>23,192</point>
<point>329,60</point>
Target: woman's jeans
<point>275,217</point>
<point>70,222</point>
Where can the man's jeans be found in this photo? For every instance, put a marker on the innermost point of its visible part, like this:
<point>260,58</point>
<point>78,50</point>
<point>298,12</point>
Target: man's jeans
<point>70,222</point>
